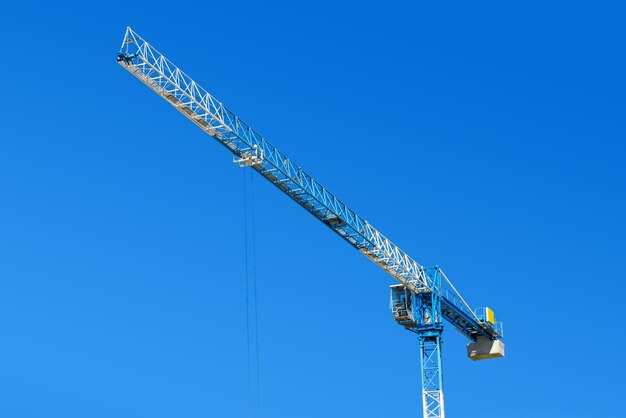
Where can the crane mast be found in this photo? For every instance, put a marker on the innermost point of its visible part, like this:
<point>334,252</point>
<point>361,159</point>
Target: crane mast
<point>423,298</point>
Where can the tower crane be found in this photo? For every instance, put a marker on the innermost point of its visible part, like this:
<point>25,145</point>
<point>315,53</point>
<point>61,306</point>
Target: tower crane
<point>423,298</point>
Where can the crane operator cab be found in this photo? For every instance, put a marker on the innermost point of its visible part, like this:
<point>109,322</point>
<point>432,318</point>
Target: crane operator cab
<point>401,304</point>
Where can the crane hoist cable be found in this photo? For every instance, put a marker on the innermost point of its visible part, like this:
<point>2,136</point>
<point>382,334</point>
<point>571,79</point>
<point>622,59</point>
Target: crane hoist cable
<point>256,297</point>
<point>252,311</point>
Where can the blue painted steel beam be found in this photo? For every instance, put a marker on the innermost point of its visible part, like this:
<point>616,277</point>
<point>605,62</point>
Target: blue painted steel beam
<point>250,148</point>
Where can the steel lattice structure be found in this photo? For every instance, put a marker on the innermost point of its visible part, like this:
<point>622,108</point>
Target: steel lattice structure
<point>434,296</point>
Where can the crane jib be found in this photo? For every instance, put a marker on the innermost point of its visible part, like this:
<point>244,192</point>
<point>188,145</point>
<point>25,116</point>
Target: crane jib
<point>161,75</point>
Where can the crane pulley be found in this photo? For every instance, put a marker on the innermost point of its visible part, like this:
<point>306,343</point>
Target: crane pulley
<point>423,298</point>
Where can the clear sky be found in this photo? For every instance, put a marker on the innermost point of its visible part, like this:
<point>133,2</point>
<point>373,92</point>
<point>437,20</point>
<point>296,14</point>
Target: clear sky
<point>483,137</point>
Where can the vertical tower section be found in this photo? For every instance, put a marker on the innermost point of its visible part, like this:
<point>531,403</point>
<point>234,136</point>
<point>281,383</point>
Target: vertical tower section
<point>421,313</point>
<point>429,327</point>
<point>432,376</point>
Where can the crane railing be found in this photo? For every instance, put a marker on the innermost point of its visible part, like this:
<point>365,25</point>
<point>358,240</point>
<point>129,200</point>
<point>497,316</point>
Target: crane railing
<point>252,149</point>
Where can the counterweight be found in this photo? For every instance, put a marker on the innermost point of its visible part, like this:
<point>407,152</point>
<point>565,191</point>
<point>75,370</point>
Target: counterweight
<point>428,295</point>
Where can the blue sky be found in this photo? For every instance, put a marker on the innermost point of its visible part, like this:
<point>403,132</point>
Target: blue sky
<point>485,138</point>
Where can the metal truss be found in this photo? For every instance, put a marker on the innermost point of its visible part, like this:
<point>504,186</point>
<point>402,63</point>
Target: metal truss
<point>167,80</point>
<point>250,149</point>
<point>429,327</point>
<point>432,376</point>
<point>421,313</point>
